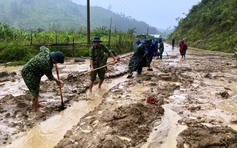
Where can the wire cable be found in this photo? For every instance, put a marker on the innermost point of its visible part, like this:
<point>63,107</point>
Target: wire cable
<point>124,6</point>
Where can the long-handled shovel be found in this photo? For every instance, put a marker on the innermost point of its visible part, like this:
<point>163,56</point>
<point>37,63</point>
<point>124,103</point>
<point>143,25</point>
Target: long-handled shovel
<point>60,89</point>
<point>87,72</point>
<point>109,63</point>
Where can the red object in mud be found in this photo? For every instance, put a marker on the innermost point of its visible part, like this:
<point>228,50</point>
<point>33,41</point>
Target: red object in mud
<point>118,59</point>
<point>151,100</point>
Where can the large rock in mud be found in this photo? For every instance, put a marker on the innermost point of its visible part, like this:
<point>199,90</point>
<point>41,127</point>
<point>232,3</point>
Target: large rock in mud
<point>204,136</point>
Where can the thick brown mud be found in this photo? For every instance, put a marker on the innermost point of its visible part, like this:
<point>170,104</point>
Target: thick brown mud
<point>195,104</point>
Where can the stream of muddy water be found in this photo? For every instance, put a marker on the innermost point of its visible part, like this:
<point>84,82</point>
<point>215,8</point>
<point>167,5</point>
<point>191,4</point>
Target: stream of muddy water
<point>48,133</point>
<point>168,130</point>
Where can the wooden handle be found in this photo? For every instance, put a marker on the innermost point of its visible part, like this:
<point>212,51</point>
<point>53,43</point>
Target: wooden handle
<point>60,88</point>
<point>109,63</point>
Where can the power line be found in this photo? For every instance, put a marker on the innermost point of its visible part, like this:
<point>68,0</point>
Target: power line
<point>124,6</point>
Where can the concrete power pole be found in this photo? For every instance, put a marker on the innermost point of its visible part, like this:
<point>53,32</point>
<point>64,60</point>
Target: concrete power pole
<point>110,30</point>
<point>88,22</point>
<point>147,32</point>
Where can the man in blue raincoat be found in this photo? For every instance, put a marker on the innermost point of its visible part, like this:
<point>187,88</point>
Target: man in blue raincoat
<point>151,51</point>
<point>139,59</point>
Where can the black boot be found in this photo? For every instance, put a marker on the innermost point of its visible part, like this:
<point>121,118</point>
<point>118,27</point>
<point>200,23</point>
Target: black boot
<point>150,69</point>
<point>130,75</point>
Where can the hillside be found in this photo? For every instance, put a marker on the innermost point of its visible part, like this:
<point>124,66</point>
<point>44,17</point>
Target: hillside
<point>212,25</point>
<point>64,14</point>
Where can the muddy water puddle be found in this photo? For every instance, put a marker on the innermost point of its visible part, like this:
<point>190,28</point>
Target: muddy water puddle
<point>10,68</point>
<point>165,133</point>
<point>229,102</point>
<point>12,88</point>
<point>48,133</point>
<point>233,126</point>
<point>77,67</point>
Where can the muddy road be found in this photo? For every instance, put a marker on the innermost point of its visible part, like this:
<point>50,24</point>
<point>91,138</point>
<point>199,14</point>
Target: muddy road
<point>188,103</point>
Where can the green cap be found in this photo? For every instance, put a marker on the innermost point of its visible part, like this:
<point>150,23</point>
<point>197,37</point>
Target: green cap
<point>57,56</point>
<point>96,39</point>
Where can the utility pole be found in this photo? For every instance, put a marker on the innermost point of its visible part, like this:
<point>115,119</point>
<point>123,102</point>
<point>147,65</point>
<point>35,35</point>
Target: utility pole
<point>110,30</point>
<point>147,31</point>
<point>88,22</point>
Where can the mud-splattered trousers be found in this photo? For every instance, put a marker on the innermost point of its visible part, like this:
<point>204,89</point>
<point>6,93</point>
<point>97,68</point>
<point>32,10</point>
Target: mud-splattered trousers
<point>38,66</point>
<point>99,55</point>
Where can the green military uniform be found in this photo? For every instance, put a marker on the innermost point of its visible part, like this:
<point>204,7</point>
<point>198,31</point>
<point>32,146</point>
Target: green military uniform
<point>99,56</point>
<point>38,66</point>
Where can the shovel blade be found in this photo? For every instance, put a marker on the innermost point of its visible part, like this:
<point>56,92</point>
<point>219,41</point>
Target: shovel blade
<point>62,107</point>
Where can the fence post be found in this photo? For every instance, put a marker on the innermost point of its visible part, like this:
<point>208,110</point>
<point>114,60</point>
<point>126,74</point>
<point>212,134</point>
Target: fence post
<point>73,46</point>
<point>56,37</point>
<point>31,37</point>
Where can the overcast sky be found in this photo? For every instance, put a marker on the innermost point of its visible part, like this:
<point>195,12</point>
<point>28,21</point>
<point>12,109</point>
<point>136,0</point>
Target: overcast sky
<point>161,14</point>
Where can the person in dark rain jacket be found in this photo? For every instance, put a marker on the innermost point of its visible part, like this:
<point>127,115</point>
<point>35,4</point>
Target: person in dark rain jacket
<point>160,47</point>
<point>139,59</point>
<point>151,50</point>
<point>173,43</point>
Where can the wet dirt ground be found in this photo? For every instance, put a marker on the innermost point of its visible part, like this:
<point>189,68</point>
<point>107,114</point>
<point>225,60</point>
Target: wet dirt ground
<point>192,104</point>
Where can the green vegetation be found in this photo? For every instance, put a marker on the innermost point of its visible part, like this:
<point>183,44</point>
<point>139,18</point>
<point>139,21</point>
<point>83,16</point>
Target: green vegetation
<point>211,25</point>
<point>13,52</point>
<point>17,46</point>
<point>25,25</point>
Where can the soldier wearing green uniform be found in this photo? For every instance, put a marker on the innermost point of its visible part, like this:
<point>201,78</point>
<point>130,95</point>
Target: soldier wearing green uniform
<point>98,57</point>
<point>33,70</point>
